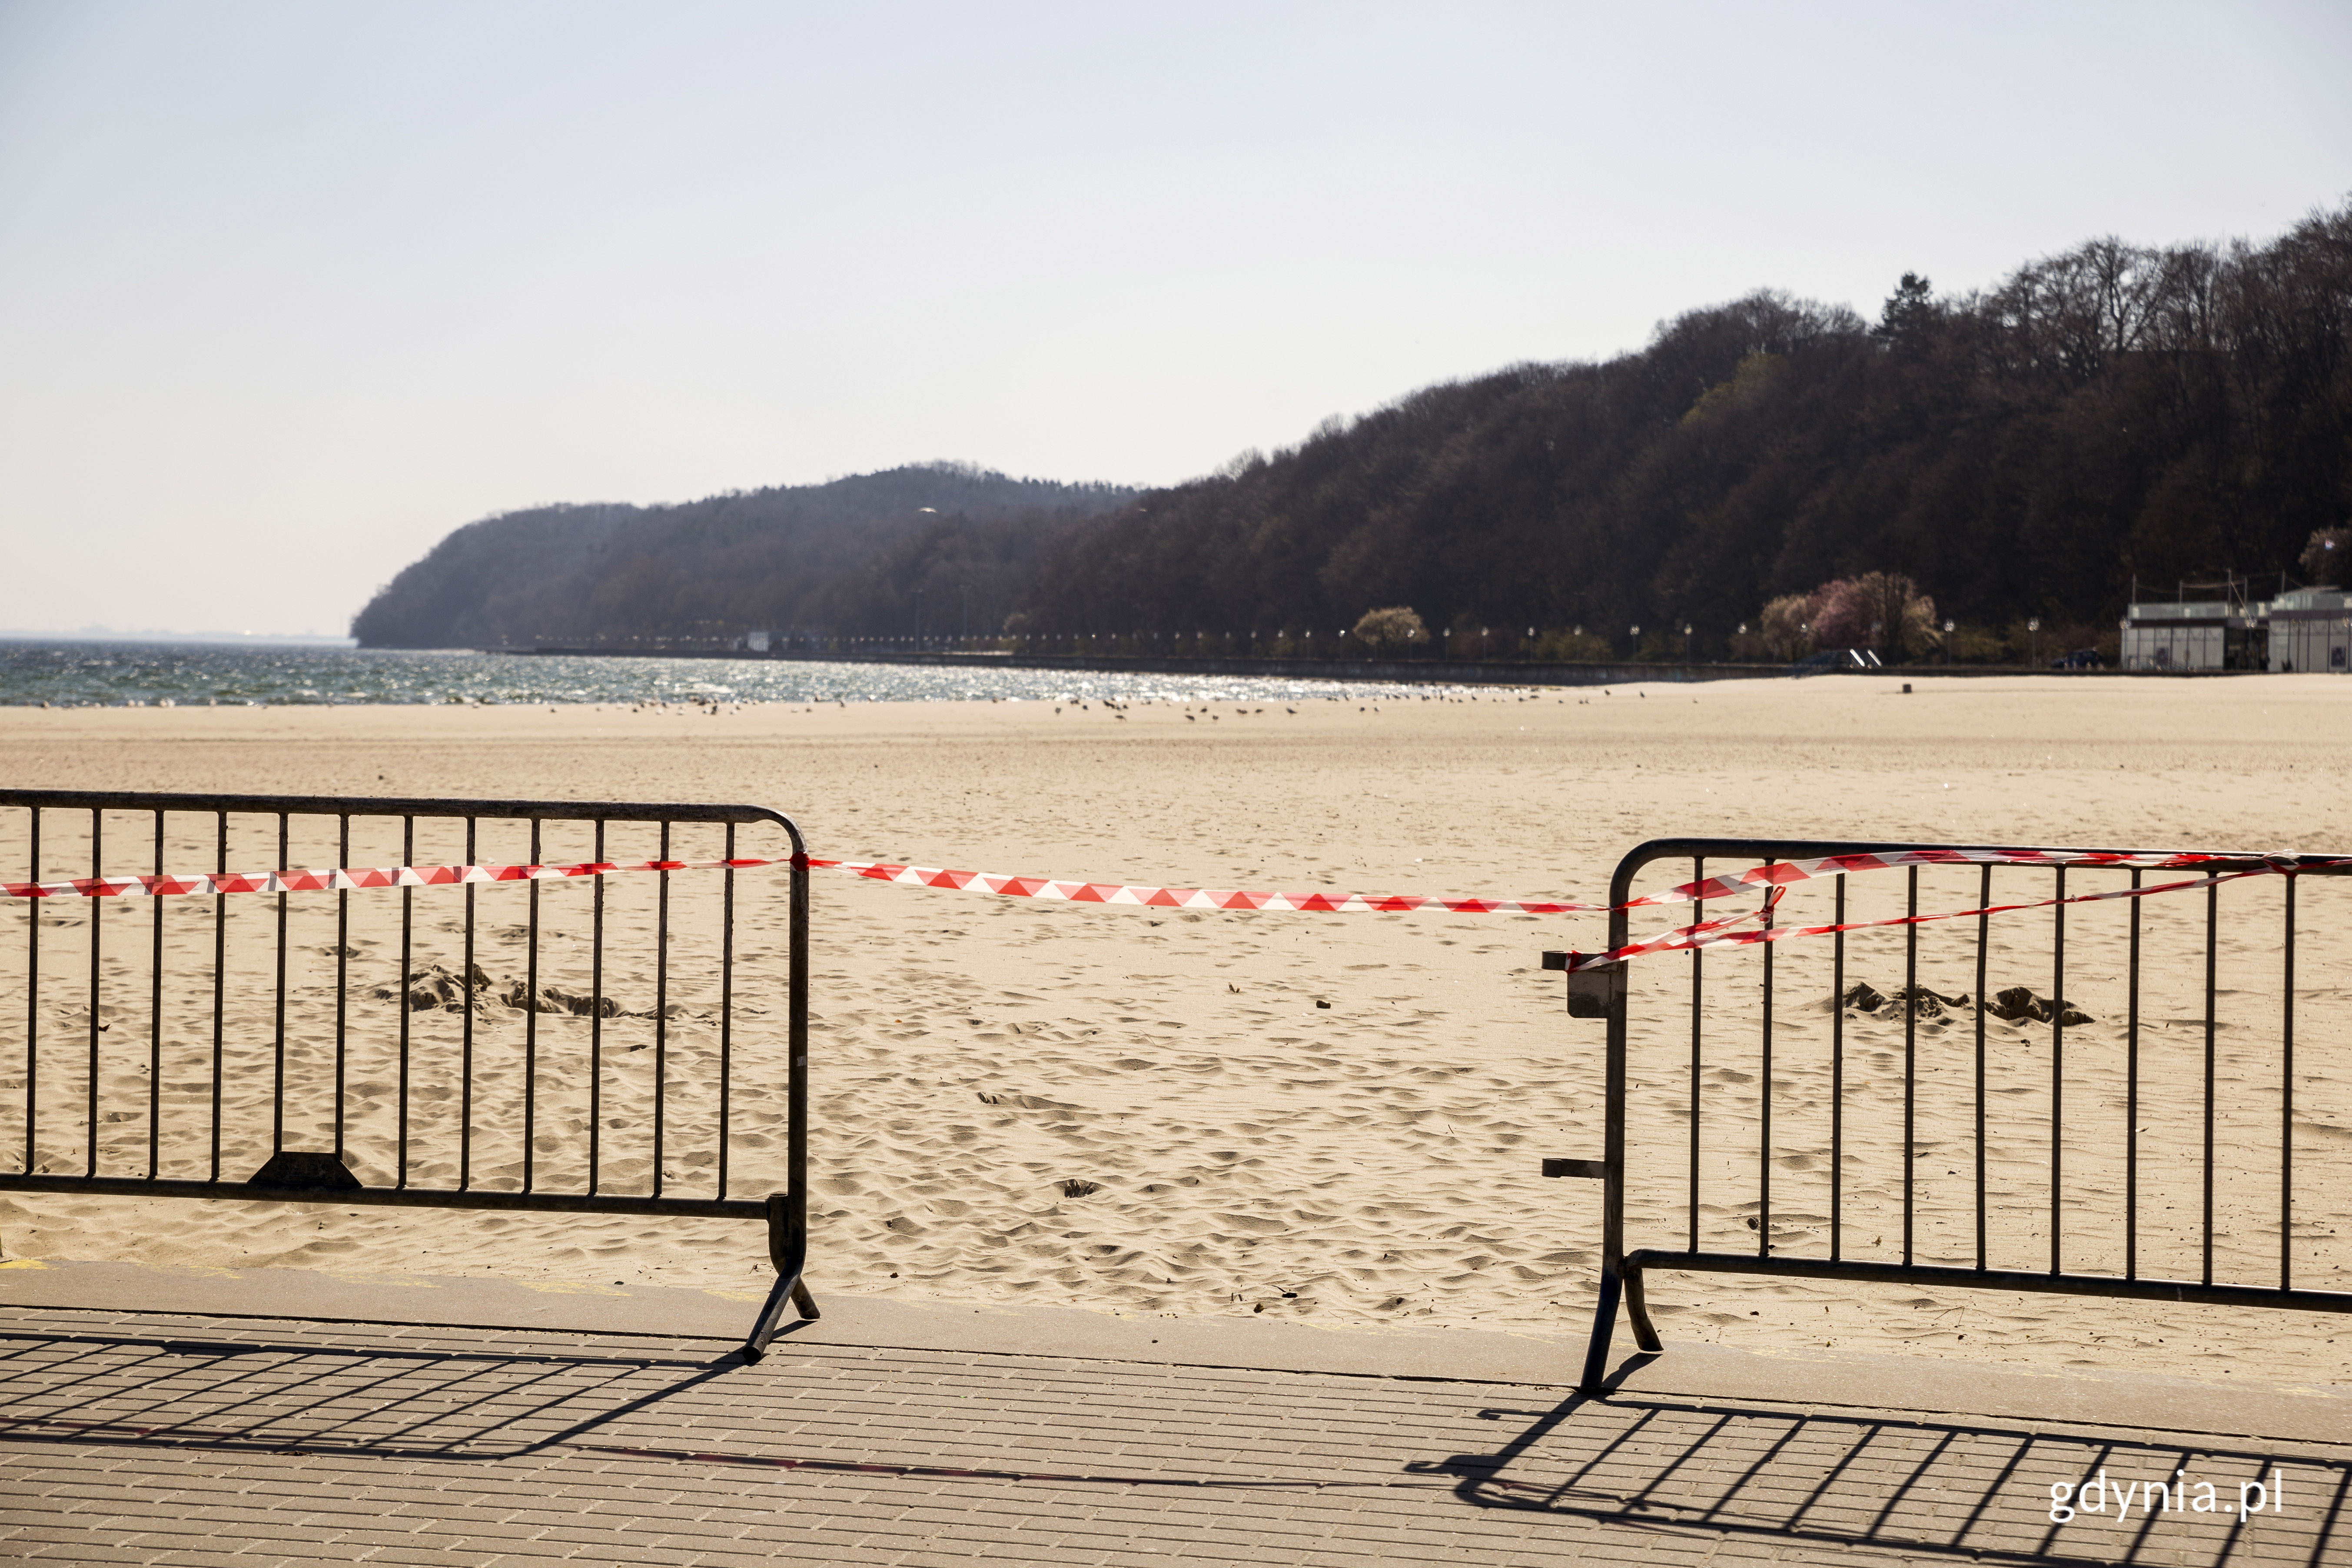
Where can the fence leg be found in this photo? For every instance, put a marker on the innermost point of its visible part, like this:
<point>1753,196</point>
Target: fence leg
<point>788,1248</point>
<point>1604,1324</point>
<point>1637,1314</point>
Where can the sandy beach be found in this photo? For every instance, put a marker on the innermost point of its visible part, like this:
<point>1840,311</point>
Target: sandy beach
<point>1334,1117</point>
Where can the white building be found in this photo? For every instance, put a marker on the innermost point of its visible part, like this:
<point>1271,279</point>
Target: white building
<point>2194,636</point>
<point>2311,629</point>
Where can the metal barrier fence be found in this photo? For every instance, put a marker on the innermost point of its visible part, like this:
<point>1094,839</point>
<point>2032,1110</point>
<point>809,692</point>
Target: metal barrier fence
<point>2046,1166</point>
<point>601,1106</point>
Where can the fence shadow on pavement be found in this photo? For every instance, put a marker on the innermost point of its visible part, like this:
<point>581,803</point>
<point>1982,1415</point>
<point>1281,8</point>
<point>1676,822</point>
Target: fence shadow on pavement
<point>1958,1489</point>
<point>420,1403</point>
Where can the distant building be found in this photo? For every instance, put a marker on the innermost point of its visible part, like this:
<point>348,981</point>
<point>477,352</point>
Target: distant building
<point>2310,629</point>
<point>2183,636</point>
<point>2306,629</point>
<point>755,642</point>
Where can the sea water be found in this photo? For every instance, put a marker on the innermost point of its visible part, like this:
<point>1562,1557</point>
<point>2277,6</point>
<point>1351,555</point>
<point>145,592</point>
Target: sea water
<point>71,674</point>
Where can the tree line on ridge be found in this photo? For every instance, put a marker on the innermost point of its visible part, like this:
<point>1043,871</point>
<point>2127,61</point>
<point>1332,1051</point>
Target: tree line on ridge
<point>2110,417</point>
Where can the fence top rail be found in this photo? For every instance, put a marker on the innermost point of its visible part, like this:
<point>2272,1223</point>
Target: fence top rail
<point>397,806</point>
<point>2210,861</point>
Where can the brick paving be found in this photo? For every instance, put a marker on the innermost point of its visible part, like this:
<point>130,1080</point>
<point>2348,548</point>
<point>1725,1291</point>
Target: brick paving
<point>147,1439</point>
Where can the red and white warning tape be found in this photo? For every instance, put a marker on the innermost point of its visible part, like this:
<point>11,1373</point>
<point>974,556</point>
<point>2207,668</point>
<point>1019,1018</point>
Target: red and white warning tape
<point>352,879</point>
<point>1196,898</point>
<point>1775,880</point>
<point>347,879</point>
<point>1725,931</point>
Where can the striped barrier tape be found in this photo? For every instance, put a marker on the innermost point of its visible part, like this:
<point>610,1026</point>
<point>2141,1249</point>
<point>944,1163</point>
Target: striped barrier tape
<point>1725,931</point>
<point>346,879</point>
<point>1782,874</point>
<point>1774,878</point>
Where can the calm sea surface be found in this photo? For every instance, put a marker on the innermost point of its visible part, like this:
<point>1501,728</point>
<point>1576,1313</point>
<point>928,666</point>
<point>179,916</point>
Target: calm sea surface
<point>135,674</point>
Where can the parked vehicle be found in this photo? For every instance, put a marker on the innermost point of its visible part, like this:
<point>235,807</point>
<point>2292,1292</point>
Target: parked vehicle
<point>2081,658</point>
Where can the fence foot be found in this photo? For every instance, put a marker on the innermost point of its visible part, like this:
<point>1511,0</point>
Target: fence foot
<point>788,1248</point>
<point>1637,1312</point>
<point>1604,1323</point>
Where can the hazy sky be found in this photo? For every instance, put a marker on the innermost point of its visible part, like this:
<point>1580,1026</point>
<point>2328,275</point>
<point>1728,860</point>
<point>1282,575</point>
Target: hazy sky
<point>289,291</point>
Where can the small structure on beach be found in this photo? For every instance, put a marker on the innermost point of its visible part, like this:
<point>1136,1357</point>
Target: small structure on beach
<point>2192,634</point>
<point>2302,629</point>
<point>2310,629</point>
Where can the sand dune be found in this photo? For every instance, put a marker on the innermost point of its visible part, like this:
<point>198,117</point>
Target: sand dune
<point>1333,1117</point>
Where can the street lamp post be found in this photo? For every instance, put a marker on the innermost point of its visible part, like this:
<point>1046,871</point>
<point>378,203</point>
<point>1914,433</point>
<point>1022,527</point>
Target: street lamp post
<point>1948,629</point>
<point>2033,626</point>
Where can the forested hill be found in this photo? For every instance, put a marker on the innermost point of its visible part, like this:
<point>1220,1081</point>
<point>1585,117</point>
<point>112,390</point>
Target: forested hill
<point>842,558</point>
<point>2173,412</point>
<point>2109,413</point>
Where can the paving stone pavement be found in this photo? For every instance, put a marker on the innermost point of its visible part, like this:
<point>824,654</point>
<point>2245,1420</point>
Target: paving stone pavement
<point>155,1438</point>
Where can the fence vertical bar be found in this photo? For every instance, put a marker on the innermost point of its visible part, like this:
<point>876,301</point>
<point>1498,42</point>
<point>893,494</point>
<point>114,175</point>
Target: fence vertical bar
<point>2212,955</point>
<point>1984,934</point>
<point>1699,874</point>
<point>597,1018</point>
<point>1837,1076</point>
<point>2058,1073</point>
<point>2286,1104</point>
<point>342,973</point>
<point>97,931</point>
<point>1910,1056</point>
<point>796,1092</point>
<point>1764,1099</point>
<point>155,1019</point>
<point>33,1002</point>
<point>2131,1098</point>
<point>220,984</point>
<point>661,1010</point>
<point>1613,1136</point>
<point>531,1023</point>
<point>725,1002</point>
<point>277,1034</point>
<point>466,1035</point>
<point>407,939</point>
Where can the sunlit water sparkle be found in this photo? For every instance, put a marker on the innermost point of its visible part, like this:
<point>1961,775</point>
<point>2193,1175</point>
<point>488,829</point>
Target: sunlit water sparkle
<point>155,674</point>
